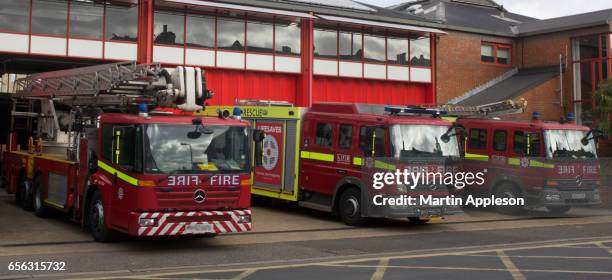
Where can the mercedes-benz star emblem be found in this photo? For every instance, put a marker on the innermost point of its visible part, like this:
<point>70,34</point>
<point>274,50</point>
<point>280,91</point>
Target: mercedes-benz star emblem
<point>579,180</point>
<point>199,196</point>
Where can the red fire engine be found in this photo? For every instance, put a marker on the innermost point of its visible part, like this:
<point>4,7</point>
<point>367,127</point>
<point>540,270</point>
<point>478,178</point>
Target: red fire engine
<point>115,168</point>
<point>324,157</point>
<point>551,164</point>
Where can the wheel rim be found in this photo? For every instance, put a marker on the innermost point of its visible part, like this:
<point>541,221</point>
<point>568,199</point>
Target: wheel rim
<point>97,216</point>
<point>351,206</point>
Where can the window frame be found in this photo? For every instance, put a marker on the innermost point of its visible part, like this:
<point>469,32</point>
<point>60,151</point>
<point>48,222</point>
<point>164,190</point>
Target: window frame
<point>480,136</point>
<point>495,132</point>
<point>350,136</point>
<point>331,136</point>
<point>496,47</point>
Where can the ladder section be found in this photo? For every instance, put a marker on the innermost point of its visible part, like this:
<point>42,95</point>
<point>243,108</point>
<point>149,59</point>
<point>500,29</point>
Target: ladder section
<point>127,78</point>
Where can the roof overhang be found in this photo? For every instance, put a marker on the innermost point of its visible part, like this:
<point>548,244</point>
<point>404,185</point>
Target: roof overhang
<point>402,27</point>
<point>236,7</point>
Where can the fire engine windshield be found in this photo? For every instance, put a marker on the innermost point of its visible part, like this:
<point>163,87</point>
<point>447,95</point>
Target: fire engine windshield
<point>173,148</point>
<point>568,144</point>
<point>423,141</point>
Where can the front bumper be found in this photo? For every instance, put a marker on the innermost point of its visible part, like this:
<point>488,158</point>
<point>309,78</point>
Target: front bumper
<point>190,223</point>
<point>555,197</point>
<point>418,210</point>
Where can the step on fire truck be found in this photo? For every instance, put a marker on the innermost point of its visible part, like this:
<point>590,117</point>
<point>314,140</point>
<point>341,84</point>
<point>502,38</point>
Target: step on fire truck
<point>324,157</point>
<point>98,154</point>
<point>551,164</point>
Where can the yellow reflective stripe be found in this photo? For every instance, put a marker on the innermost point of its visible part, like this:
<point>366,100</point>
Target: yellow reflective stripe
<point>56,205</point>
<point>127,178</point>
<point>384,165</point>
<point>317,156</point>
<point>514,161</point>
<point>535,163</point>
<point>476,157</point>
<point>357,161</point>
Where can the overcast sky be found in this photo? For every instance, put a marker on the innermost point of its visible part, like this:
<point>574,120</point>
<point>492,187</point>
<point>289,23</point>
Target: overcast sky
<point>535,8</point>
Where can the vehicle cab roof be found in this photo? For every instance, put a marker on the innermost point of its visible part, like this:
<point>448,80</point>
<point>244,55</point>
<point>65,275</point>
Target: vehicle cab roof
<point>167,119</point>
<point>370,113</point>
<point>497,123</point>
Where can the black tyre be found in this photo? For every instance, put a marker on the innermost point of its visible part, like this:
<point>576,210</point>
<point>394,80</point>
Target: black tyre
<point>96,219</point>
<point>418,221</point>
<point>349,207</point>
<point>27,198</point>
<point>40,209</point>
<point>509,191</point>
<point>558,210</point>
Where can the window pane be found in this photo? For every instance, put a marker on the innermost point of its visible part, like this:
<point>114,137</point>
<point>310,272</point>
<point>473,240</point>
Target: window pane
<point>169,28</point>
<point>325,43</point>
<point>503,56</point>
<point>324,135</point>
<point>589,47</point>
<point>478,138</point>
<point>373,135</point>
<point>499,140</point>
<point>230,34</point>
<point>259,37</point>
<point>121,23</point>
<point>397,51</point>
<point>14,15</point>
<point>288,38</point>
<point>604,45</point>
<point>346,136</point>
<point>86,20</point>
<point>374,48</point>
<point>200,31</point>
<point>49,17</point>
<point>350,46</point>
<point>486,53</point>
<point>420,52</point>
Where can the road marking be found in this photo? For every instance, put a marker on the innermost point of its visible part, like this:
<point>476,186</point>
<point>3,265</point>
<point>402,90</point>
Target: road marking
<point>544,257</point>
<point>476,269</point>
<point>455,251</point>
<point>244,274</point>
<point>603,246</point>
<point>381,269</point>
<point>516,273</point>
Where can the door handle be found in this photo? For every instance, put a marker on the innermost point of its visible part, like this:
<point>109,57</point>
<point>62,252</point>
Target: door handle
<point>340,171</point>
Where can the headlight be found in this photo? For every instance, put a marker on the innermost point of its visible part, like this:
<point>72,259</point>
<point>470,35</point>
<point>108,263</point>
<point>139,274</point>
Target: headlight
<point>243,219</point>
<point>553,197</point>
<point>147,222</point>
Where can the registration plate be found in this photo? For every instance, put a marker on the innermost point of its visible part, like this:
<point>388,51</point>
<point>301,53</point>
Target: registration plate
<point>579,195</point>
<point>199,228</point>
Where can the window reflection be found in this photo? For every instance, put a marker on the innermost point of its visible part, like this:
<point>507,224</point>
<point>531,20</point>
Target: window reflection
<point>374,48</point>
<point>169,28</point>
<point>200,31</point>
<point>589,47</point>
<point>260,37</point>
<point>14,15</point>
<point>420,52</point>
<point>351,46</point>
<point>49,17</point>
<point>121,23</point>
<point>325,43</point>
<point>503,55</point>
<point>397,51</point>
<point>230,34</point>
<point>86,20</point>
<point>287,38</point>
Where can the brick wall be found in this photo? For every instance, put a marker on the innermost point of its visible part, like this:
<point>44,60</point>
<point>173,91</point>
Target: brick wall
<point>543,99</point>
<point>458,64</point>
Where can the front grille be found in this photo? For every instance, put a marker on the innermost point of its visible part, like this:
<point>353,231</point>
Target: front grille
<point>184,198</point>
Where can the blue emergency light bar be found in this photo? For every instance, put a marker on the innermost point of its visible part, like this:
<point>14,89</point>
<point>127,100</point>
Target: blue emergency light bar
<point>415,111</point>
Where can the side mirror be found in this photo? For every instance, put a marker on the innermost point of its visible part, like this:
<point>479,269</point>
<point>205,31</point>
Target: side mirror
<point>595,134</point>
<point>258,135</point>
<point>447,135</point>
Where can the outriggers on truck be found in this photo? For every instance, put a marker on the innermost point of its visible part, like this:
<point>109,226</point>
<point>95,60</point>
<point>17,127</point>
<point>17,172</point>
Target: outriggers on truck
<point>118,148</point>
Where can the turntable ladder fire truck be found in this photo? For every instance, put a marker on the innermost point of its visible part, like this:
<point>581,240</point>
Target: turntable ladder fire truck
<point>117,148</point>
<point>322,157</point>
